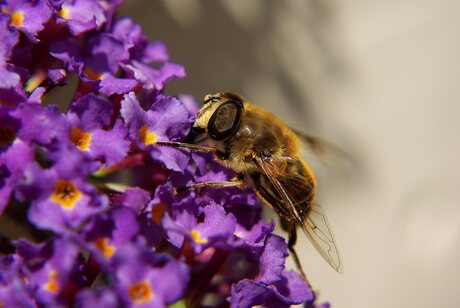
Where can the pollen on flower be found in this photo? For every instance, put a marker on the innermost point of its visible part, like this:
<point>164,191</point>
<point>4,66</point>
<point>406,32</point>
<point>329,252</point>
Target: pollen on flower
<point>106,249</point>
<point>17,18</point>
<point>146,136</point>
<point>157,212</point>
<point>196,237</point>
<point>52,284</point>
<point>65,193</point>
<point>80,138</point>
<point>140,293</point>
<point>64,12</point>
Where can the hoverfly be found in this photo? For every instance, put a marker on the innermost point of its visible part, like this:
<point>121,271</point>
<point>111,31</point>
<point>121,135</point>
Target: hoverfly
<point>265,154</point>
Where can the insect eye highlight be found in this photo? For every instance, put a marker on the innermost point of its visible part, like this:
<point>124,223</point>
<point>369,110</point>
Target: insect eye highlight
<point>211,99</point>
<point>225,120</point>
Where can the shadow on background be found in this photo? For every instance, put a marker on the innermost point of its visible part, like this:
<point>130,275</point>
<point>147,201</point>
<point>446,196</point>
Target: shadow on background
<point>378,78</point>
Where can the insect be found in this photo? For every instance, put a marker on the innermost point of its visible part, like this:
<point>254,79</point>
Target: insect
<point>265,154</point>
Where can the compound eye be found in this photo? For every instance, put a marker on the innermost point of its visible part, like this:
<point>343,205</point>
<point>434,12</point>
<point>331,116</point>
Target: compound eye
<point>225,120</point>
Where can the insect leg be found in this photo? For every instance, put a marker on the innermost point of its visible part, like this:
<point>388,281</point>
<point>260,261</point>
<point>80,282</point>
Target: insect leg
<point>188,146</point>
<point>291,243</point>
<point>236,183</point>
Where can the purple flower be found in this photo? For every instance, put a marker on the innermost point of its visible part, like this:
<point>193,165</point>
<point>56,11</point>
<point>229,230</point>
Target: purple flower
<point>111,85</point>
<point>108,232</point>
<point>28,17</point>
<point>131,35</point>
<point>166,120</point>
<point>134,198</point>
<point>155,78</point>
<point>39,124</point>
<point>15,160</point>
<point>82,15</point>
<point>89,117</point>
<point>61,199</point>
<point>290,290</point>
<point>15,154</point>
<point>216,229</point>
<point>13,290</point>
<point>144,280</point>
<point>9,38</point>
<point>67,50</point>
<point>270,285</point>
<point>101,298</point>
<point>50,269</point>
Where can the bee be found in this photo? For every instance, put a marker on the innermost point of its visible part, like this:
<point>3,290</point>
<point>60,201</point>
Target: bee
<point>265,154</point>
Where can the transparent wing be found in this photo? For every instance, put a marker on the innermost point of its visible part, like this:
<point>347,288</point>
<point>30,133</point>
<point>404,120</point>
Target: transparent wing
<point>328,153</point>
<point>290,210</point>
<point>315,224</point>
<point>317,229</point>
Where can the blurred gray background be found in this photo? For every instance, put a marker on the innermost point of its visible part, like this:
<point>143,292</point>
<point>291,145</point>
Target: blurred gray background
<point>378,78</point>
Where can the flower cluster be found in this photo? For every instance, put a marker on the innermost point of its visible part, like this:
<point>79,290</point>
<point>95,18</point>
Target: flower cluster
<point>97,194</point>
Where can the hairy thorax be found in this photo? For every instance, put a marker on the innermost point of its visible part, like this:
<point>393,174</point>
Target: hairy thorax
<point>258,136</point>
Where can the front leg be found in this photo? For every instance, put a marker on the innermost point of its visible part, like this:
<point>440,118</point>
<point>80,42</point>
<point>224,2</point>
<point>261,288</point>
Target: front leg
<point>188,146</point>
<point>233,183</point>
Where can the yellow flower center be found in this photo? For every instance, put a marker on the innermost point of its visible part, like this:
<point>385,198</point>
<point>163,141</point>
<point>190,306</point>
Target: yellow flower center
<point>80,138</point>
<point>52,284</point>
<point>106,249</point>
<point>64,12</point>
<point>17,18</point>
<point>146,136</point>
<point>140,293</point>
<point>65,193</point>
<point>196,237</point>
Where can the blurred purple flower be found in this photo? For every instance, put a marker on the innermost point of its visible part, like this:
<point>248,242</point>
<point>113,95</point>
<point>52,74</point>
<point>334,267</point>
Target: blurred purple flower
<point>145,280</point>
<point>106,233</point>
<point>101,298</point>
<point>51,269</point>
<point>39,124</point>
<point>13,292</point>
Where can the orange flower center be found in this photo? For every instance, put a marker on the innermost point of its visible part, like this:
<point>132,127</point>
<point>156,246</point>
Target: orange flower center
<point>80,138</point>
<point>106,249</point>
<point>140,293</point>
<point>146,136</point>
<point>17,18</point>
<point>52,284</point>
<point>65,193</point>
